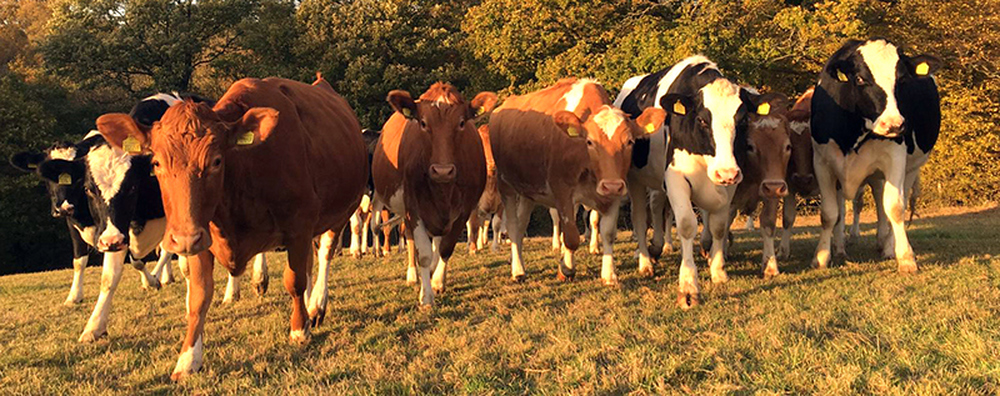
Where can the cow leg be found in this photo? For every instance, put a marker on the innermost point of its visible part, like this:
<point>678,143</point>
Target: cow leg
<point>484,226</point>
<point>857,205</point>
<point>556,232</point>
<point>387,233</point>
<point>111,274</point>
<point>366,220</point>
<point>706,234</point>
<point>427,258</point>
<point>639,226</point>
<point>894,201</point>
<point>516,228</point>
<point>608,228</point>
<point>679,193</point>
<point>595,231</point>
<point>232,289</point>
<point>318,290</point>
<point>668,223</point>
<point>199,298</point>
<point>472,228</point>
<point>829,211</point>
<point>356,235</point>
<point>296,277</point>
<point>411,257</point>
<point>497,225</point>
<point>787,222</point>
<point>718,225</point>
<point>440,276</point>
<point>750,220</point>
<point>839,237</point>
<point>149,281</point>
<point>260,278</point>
<point>768,218</point>
<point>80,258</point>
<point>167,274</point>
<point>883,234</point>
<point>656,216</point>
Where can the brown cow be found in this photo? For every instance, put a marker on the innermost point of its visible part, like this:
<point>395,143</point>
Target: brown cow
<point>801,177</point>
<point>561,147</point>
<point>764,165</point>
<point>274,163</point>
<point>490,208</point>
<point>429,167</point>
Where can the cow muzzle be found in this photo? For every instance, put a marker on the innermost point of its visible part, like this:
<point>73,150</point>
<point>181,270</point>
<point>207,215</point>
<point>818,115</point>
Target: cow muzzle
<point>802,180</point>
<point>442,173</point>
<point>889,126</point>
<point>726,176</point>
<point>66,209</point>
<point>612,188</point>
<point>773,189</point>
<point>188,244</point>
<point>111,242</point>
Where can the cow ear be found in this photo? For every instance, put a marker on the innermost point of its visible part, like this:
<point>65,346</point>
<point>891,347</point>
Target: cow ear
<point>841,70</point>
<point>676,104</point>
<point>121,131</point>
<point>924,66</point>
<point>773,103</point>
<point>62,172</point>
<point>254,128</point>
<point>482,105</point>
<point>27,161</point>
<point>569,123</point>
<point>651,120</point>
<point>402,103</point>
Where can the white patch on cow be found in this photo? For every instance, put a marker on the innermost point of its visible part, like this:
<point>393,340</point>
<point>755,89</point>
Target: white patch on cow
<point>190,360</point>
<point>798,126</point>
<point>169,99</point>
<point>609,119</point>
<point>675,71</point>
<point>66,206</point>
<point>722,99</point>
<point>767,122</point>
<point>881,58</point>
<point>107,166</point>
<point>442,100</point>
<point>627,89</point>
<point>575,94</point>
<point>66,154</point>
<point>91,134</point>
<point>88,234</point>
<point>152,234</point>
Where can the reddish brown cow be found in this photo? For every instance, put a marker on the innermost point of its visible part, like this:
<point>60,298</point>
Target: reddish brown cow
<point>429,167</point>
<point>764,165</point>
<point>801,178</point>
<point>274,163</point>
<point>490,208</point>
<point>561,147</point>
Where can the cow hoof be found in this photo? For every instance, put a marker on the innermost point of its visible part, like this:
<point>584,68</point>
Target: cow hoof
<point>816,263</point>
<point>566,276</point>
<point>647,272</point>
<point>908,264</point>
<point>298,337</point>
<point>411,282</point>
<point>610,282</point>
<point>316,318</point>
<point>72,302</point>
<point>771,273</point>
<point>655,252</point>
<point>720,277</point>
<point>426,307</point>
<point>357,255</point>
<point>687,301</point>
<point>149,283</point>
<point>595,252</point>
<point>518,278</point>
<point>260,286</point>
<point>92,336</point>
<point>438,289</point>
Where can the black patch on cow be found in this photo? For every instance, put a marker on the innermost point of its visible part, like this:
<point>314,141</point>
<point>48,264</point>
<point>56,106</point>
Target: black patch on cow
<point>644,94</point>
<point>640,152</point>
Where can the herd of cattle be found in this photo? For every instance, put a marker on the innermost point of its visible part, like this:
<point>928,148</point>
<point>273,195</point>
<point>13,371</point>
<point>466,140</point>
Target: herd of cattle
<point>277,164</point>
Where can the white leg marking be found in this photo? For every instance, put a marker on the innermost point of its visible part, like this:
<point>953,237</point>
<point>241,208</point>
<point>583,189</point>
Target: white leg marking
<point>76,291</point>
<point>608,229</point>
<point>111,274</point>
<point>190,360</point>
<point>556,232</point>
<point>317,299</point>
<point>595,231</point>
<point>232,289</point>
<point>425,261</point>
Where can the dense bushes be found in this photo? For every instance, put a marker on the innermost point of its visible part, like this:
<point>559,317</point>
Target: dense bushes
<point>62,62</point>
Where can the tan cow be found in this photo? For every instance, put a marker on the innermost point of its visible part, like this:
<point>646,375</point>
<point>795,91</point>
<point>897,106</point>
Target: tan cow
<point>274,163</point>
<point>429,166</point>
<point>801,177</point>
<point>561,147</point>
<point>490,208</point>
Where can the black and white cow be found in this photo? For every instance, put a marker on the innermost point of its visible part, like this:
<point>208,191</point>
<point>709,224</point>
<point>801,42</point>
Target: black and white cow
<point>707,121</point>
<point>875,111</point>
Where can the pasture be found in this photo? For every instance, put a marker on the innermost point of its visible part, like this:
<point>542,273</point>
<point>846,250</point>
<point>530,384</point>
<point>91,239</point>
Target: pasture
<point>858,327</point>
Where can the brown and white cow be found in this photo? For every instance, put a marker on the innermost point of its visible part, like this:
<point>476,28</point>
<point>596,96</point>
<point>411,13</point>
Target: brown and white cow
<point>429,167</point>
<point>274,163</point>
<point>561,147</point>
<point>490,208</point>
<point>800,177</point>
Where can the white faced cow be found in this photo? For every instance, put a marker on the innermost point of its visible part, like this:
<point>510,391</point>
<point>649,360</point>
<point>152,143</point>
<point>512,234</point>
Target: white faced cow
<point>875,111</point>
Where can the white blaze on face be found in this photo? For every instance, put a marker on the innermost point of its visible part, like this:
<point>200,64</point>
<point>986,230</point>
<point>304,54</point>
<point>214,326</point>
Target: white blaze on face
<point>66,154</point>
<point>575,94</point>
<point>108,166</point>
<point>722,99</point>
<point>767,122</point>
<point>442,100</point>
<point>881,58</point>
<point>798,126</point>
<point>66,206</point>
<point>609,119</point>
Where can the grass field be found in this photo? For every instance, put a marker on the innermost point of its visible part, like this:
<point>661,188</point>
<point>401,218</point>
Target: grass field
<point>858,327</point>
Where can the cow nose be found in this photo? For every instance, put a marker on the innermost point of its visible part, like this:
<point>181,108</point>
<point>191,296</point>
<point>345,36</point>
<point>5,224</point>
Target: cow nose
<point>111,242</point>
<point>773,188</point>
<point>188,244</point>
<point>442,173</point>
<point>727,176</point>
<point>611,187</point>
<point>889,126</point>
<point>802,180</point>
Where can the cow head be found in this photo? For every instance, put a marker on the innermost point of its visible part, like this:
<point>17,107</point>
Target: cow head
<point>113,179</point>
<point>768,143</point>
<point>443,114</point>
<point>868,73</point>
<point>189,147</point>
<point>610,134</point>
<point>63,177</point>
<point>710,120</point>
<point>801,164</point>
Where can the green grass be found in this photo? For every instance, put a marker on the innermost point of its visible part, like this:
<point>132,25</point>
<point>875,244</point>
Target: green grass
<point>859,327</point>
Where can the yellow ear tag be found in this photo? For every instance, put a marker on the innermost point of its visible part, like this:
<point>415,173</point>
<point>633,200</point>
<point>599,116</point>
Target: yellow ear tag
<point>131,145</point>
<point>32,166</point>
<point>841,76</point>
<point>650,128</point>
<point>572,131</point>
<point>480,111</point>
<point>406,112</point>
<point>679,108</point>
<point>923,69</point>
<point>764,109</point>
<point>65,179</point>
<point>245,139</point>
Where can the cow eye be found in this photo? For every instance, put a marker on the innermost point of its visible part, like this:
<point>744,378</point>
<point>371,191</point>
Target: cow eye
<point>423,125</point>
<point>859,80</point>
<point>461,125</point>
<point>788,148</point>
<point>702,122</point>
<point>156,164</point>
<point>590,143</point>
<point>217,162</point>
<point>630,142</point>
<point>751,148</point>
